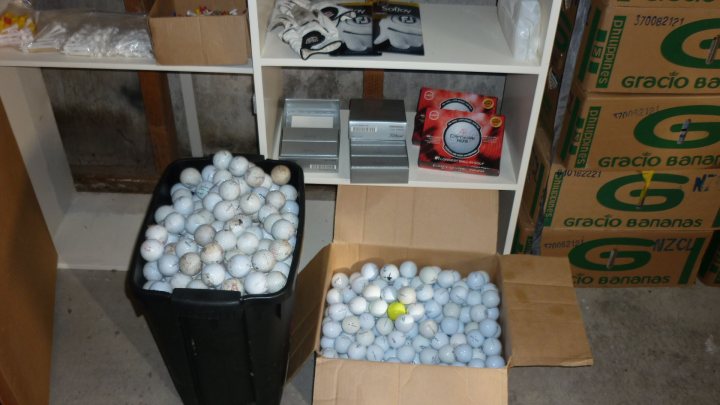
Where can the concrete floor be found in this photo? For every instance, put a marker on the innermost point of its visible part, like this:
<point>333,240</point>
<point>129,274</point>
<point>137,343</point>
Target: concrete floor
<point>651,346</point>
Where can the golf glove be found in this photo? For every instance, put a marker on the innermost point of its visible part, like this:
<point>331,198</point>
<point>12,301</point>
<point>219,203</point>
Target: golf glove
<point>403,31</point>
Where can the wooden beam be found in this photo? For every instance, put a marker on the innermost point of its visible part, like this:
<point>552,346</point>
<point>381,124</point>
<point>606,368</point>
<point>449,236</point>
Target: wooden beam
<point>114,179</point>
<point>159,116</point>
<point>158,105</point>
<point>138,6</point>
<point>373,83</point>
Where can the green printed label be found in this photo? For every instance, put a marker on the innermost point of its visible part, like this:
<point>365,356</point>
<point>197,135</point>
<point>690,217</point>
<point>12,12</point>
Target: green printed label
<point>672,196</point>
<point>589,44</point>
<point>552,197</point>
<point>611,50</point>
<point>586,137</point>
<point>690,263</point>
<point>610,250</point>
<point>575,123</point>
<point>675,46</point>
<point>706,133</point>
<point>711,262</point>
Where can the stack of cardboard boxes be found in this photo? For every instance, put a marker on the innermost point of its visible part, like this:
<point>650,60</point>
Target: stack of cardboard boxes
<point>633,194</point>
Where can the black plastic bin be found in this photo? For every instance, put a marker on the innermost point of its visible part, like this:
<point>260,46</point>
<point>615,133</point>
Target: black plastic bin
<point>219,347</point>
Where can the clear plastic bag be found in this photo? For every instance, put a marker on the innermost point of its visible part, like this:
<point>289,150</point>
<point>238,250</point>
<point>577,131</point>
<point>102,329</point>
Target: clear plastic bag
<point>110,35</point>
<point>520,23</point>
<point>17,24</point>
<point>92,33</point>
<point>54,27</point>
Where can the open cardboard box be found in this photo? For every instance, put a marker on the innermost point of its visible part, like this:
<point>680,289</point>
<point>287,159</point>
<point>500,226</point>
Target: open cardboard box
<point>541,321</point>
<point>203,40</point>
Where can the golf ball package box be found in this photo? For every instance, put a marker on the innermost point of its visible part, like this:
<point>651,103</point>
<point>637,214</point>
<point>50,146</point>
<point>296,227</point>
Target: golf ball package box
<point>449,100</point>
<point>462,141</point>
<point>413,315</point>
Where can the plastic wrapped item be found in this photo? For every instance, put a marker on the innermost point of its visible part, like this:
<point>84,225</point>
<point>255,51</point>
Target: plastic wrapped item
<point>110,35</point>
<point>520,23</point>
<point>17,24</point>
<point>82,32</point>
<point>54,27</point>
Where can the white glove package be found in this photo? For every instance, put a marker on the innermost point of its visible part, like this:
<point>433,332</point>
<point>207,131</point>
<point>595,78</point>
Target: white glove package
<point>354,24</point>
<point>305,28</point>
<point>399,29</point>
<point>520,23</point>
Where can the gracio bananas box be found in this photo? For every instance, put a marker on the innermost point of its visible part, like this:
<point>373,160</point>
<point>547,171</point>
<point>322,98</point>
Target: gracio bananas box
<point>651,47</point>
<point>710,267</point>
<point>628,258</point>
<point>632,131</point>
<point>598,199</point>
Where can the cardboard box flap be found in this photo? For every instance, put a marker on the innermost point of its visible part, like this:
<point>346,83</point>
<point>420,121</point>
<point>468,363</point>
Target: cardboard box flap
<point>308,306</point>
<point>542,315</point>
<point>339,382</point>
<point>450,219</point>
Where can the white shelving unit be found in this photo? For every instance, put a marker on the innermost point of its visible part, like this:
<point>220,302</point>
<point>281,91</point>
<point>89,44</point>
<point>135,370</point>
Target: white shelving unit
<point>457,38</point>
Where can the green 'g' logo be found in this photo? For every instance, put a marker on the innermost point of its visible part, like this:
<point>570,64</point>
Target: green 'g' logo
<point>607,195</point>
<point>647,130</point>
<point>612,259</point>
<point>673,47</point>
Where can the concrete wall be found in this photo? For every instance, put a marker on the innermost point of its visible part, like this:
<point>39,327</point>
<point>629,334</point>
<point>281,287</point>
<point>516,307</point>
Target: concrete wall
<point>101,120</point>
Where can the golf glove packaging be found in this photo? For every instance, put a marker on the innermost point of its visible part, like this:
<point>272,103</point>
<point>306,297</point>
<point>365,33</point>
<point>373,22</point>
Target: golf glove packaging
<point>305,28</point>
<point>398,28</point>
<point>354,24</point>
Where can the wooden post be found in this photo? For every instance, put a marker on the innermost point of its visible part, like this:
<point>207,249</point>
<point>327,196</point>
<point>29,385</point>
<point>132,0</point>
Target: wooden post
<point>158,105</point>
<point>373,83</point>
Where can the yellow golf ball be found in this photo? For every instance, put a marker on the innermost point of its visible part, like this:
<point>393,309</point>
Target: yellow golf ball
<point>396,309</point>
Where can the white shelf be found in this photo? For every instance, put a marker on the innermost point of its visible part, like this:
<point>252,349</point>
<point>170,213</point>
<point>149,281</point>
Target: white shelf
<point>15,58</point>
<point>456,38</point>
<point>418,177</point>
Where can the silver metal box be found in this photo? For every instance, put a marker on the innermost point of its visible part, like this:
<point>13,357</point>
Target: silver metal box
<point>311,134</point>
<point>372,119</point>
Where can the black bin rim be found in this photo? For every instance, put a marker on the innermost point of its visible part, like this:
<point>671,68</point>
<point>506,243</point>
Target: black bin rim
<point>215,299</point>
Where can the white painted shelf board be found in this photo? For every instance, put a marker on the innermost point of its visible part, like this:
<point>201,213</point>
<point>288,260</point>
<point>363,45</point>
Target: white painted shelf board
<point>418,177</point>
<point>15,58</point>
<point>457,38</point>
<point>99,230</point>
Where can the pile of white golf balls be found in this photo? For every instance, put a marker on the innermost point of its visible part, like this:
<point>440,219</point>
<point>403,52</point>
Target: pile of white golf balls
<point>398,314</point>
<point>230,227</point>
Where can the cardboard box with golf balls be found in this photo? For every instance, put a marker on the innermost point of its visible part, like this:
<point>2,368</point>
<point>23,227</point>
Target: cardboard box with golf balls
<point>540,319</point>
<point>669,48</point>
<point>710,267</point>
<point>635,199</point>
<point>628,258</point>
<point>632,131</point>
